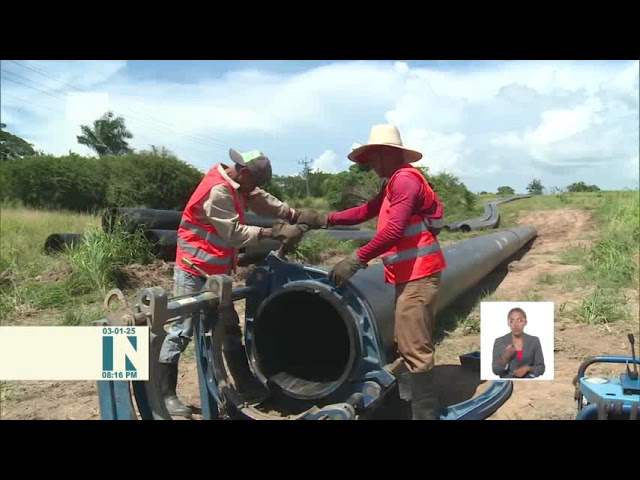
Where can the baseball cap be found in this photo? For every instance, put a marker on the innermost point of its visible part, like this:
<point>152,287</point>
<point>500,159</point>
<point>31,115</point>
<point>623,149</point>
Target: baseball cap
<point>257,163</point>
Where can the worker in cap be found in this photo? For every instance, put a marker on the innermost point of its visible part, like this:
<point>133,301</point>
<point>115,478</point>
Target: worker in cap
<point>210,234</point>
<point>409,219</point>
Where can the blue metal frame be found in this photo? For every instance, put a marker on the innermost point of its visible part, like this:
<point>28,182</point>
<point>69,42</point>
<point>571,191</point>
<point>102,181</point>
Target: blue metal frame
<point>482,406</point>
<point>115,400</point>
<point>609,395</point>
<point>368,384</point>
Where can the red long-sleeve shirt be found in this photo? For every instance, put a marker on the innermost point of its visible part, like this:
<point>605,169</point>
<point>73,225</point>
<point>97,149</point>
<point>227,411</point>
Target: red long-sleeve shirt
<point>408,197</point>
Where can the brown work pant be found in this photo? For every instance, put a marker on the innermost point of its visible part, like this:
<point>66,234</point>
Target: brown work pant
<point>415,322</point>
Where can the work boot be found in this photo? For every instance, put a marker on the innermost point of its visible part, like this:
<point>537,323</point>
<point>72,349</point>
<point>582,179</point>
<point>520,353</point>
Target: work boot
<point>404,393</point>
<point>424,401</point>
<point>168,383</point>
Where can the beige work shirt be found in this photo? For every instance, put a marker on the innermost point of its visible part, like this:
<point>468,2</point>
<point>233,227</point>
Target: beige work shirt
<point>219,210</point>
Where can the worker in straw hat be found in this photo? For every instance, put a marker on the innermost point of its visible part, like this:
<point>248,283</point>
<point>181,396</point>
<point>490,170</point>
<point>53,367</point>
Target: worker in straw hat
<point>210,235</point>
<point>409,219</point>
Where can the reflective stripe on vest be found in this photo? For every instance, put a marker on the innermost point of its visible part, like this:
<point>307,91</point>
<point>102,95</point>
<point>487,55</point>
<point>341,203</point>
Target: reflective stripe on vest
<point>208,236</point>
<point>435,222</point>
<point>423,226</point>
<point>202,255</point>
<point>412,253</point>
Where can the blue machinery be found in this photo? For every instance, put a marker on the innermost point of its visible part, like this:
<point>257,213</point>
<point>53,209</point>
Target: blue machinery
<point>605,397</point>
<point>312,351</point>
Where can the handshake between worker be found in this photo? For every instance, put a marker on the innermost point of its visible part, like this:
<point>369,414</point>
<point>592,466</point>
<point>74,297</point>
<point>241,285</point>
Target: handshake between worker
<point>344,269</point>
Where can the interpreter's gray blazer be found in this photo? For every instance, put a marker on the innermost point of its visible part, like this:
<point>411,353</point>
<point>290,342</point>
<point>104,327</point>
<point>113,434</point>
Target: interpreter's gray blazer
<point>531,356</point>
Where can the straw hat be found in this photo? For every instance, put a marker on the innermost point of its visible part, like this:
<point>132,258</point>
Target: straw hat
<point>383,135</point>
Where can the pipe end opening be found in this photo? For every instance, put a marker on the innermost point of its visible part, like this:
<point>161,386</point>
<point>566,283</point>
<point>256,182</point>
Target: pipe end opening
<point>304,342</point>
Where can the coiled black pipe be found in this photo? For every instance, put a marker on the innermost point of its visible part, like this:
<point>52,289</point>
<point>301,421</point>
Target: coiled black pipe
<point>309,338</point>
<point>490,218</point>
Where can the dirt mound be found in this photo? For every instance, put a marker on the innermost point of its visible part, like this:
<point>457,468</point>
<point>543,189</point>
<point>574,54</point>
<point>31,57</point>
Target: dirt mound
<point>156,274</point>
<point>55,274</point>
<point>50,400</point>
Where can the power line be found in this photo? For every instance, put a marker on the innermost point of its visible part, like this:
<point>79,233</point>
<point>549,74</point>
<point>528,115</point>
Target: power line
<point>135,119</point>
<point>212,141</point>
<point>141,136</point>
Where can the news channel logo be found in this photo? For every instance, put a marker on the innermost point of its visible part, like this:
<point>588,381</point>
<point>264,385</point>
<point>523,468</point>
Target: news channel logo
<point>61,353</point>
<point>125,353</point>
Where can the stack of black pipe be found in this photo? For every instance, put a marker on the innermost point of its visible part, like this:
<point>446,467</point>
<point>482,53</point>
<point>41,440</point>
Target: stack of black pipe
<point>161,229</point>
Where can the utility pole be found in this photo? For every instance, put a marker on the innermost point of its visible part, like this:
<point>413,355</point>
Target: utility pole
<point>306,169</point>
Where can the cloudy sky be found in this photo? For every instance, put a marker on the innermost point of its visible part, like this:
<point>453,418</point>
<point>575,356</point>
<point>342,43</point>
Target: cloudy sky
<point>489,123</point>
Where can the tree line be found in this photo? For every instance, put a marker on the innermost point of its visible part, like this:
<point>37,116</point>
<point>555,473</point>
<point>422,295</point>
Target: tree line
<point>156,178</point>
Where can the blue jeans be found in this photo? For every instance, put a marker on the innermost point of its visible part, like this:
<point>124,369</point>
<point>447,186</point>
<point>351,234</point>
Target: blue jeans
<point>181,331</point>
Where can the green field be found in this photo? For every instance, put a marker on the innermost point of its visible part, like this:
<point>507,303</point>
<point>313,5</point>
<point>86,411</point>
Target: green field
<point>68,288</point>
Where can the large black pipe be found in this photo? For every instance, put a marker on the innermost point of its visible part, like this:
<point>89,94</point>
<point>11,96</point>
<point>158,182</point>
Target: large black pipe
<point>490,218</point>
<point>153,219</point>
<point>165,242</point>
<point>306,336</point>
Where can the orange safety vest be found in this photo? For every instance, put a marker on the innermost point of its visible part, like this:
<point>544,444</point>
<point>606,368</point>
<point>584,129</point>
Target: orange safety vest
<point>417,254</point>
<point>200,242</point>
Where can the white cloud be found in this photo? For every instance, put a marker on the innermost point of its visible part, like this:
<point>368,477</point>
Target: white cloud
<point>329,162</point>
<point>499,124</point>
<point>84,108</point>
<point>440,152</point>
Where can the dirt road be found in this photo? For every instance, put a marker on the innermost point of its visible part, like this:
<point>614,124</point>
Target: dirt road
<point>557,231</point>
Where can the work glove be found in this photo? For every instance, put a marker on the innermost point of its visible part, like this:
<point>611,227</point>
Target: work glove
<point>345,269</point>
<point>313,219</point>
<point>286,233</point>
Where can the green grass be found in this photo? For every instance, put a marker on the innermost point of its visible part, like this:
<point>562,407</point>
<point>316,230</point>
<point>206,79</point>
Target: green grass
<point>573,255</point>
<point>83,314</point>
<point>314,203</point>
<point>32,281</point>
<point>316,246</point>
<point>98,261</point>
<point>23,232</point>
<point>613,261</point>
<point>6,389</point>
<point>601,307</point>
<point>548,279</point>
<point>607,267</point>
